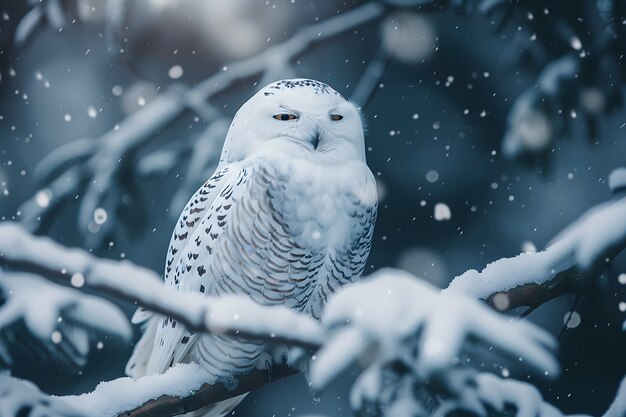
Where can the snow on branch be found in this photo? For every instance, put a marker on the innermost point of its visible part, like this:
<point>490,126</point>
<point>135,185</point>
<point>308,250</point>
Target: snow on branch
<point>404,330</point>
<point>430,329</point>
<point>97,169</point>
<point>183,388</point>
<point>499,394</point>
<point>23,398</point>
<point>566,266</point>
<point>63,320</point>
<point>233,315</point>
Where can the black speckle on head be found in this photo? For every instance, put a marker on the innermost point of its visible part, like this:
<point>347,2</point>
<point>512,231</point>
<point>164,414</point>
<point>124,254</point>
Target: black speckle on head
<point>318,87</point>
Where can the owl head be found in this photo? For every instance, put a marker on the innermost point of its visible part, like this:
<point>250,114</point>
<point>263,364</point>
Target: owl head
<point>302,115</point>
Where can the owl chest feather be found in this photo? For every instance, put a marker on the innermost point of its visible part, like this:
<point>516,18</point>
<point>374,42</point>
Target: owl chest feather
<point>318,202</point>
<point>323,218</point>
<point>284,232</point>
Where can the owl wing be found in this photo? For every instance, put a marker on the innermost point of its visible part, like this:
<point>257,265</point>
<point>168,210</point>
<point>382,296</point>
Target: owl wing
<point>188,222</point>
<point>242,245</point>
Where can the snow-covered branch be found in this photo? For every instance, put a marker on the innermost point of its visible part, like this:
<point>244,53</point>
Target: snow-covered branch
<point>23,398</point>
<point>422,348</point>
<point>569,264</point>
<point>121,279</point>
<point>430,330</point>
<point>183,388</point>
<point>63,321</point>
<point>429,334</point>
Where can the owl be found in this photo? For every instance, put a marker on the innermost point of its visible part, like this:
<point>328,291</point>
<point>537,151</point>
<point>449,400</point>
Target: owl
<point>286,219</point>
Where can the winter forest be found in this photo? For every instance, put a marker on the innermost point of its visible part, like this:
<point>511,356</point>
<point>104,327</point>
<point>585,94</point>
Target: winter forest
<point>495,283</point>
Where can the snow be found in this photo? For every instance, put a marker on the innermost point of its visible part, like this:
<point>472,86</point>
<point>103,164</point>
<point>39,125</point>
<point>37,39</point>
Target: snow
<point>40,304</point>
<point>175,72</point>
<point>597,233</point>
<point>18,395</point>
<point>507,273</point>
<point>584,243</point>
<point>499,393</point>
<point>391,306</point>
<point>442,212</point>
<point>114,397</point>
<point>233,314</point>
<point>242,314</point>
<point>617,179</point>
<point>618,407</point>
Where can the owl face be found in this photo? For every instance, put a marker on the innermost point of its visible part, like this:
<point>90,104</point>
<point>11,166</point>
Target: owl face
<point>302,114</point>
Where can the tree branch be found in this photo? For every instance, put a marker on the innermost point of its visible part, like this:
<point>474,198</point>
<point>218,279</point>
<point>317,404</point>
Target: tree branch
<point>568,266</point>
<point>528,279</point>
<point>235,316</point>
<point>231,315</point>
<point>171,405</point>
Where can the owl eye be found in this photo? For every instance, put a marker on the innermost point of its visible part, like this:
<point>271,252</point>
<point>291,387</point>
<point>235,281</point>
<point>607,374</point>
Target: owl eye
<point>285,116</point>
<point>336,117</point>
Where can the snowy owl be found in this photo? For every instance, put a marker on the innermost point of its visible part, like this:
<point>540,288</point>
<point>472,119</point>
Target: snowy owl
<point>286,219</point>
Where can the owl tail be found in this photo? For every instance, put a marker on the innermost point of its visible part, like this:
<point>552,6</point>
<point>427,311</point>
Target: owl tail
<point>220,409</point>
<point>137,365</point>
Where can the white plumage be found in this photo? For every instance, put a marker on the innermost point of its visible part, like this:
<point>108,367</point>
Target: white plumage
<point>287,218</point>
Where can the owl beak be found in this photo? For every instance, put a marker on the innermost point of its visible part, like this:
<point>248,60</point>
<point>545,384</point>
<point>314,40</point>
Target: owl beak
<point>315,140</point>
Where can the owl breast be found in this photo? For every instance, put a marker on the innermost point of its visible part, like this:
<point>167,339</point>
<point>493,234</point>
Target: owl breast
<point>327,211</point>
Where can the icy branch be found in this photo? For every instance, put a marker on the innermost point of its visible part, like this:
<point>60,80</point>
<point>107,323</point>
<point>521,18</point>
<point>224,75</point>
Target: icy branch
<point>409,336</point>
<point>359,316</point>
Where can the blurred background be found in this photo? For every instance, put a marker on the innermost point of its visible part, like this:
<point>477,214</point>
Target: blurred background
<point>482,145</point>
